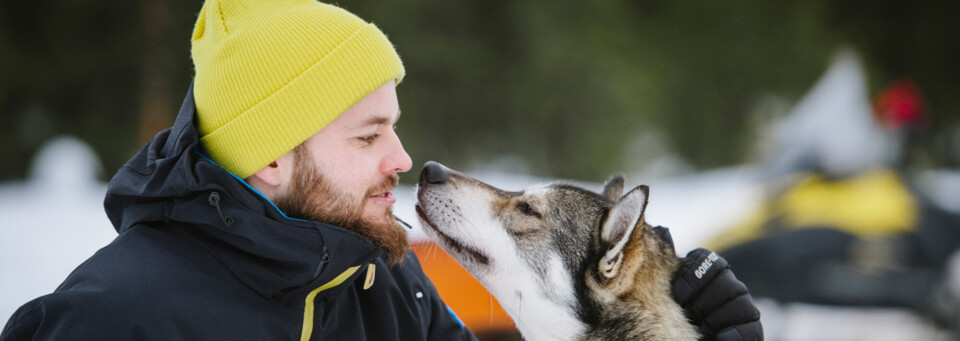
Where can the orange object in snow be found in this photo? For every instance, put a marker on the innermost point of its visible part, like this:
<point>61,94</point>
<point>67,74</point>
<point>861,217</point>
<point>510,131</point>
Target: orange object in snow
<point>476,307</point>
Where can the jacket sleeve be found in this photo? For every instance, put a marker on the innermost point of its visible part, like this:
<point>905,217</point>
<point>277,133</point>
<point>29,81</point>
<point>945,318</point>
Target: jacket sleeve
<point>78,316</point>
<point>59,317</point>
<point>24,323</point>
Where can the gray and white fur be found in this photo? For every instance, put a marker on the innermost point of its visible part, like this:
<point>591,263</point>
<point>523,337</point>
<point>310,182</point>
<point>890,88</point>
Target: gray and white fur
<point>565,263</point>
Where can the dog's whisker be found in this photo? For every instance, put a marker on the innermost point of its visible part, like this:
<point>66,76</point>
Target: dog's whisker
<point>433,251</point>
<point>490,306</point>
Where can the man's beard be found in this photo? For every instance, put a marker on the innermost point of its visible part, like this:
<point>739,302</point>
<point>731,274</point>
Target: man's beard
<point>312,197</point>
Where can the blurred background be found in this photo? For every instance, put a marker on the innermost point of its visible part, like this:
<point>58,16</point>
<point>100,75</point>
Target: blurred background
<point>822,137</point>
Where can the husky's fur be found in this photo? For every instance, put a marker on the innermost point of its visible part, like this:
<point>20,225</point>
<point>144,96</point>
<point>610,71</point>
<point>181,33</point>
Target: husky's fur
<point>565,263</point>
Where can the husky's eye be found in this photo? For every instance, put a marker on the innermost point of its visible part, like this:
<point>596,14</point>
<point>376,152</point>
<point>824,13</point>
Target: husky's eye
<point>526,209</point>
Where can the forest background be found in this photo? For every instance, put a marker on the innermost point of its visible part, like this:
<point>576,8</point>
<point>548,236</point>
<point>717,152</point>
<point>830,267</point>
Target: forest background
<point>570,89</point>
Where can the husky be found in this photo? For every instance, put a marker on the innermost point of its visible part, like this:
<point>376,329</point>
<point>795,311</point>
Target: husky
<point>565,263</point>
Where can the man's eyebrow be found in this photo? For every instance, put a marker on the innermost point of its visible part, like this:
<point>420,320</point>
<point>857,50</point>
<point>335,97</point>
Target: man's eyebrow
<point>378,120</point>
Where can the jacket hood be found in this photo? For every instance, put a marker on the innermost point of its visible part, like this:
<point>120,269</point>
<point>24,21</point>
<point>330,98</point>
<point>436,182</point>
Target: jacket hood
<point>169,182</point>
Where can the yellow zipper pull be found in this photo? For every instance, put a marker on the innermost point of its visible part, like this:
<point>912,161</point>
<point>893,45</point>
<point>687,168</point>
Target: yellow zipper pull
<point>371,273</point>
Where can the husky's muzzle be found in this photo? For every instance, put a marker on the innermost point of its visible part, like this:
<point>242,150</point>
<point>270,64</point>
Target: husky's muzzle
<point>435,174</point>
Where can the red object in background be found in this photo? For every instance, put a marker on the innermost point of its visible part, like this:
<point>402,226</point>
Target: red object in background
<point>900,105</point>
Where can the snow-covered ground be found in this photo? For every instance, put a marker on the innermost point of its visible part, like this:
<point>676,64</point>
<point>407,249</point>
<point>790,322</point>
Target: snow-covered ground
<point>809,322</point>
<point>50,223</point>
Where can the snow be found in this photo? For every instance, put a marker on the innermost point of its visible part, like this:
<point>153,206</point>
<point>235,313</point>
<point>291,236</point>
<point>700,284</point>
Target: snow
<point>942,187</point>
<point>51,223</point>
<point>809,322</point>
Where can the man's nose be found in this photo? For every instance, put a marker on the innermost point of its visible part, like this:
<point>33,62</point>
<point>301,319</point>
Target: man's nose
<point>397,160</point>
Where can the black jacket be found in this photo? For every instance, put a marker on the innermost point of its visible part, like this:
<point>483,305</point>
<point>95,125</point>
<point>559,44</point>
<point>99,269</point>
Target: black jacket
<point>201,255</point>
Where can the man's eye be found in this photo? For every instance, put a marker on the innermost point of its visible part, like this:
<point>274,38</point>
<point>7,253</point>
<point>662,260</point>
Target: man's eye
<point>369,138</point>
<point>526,209</point>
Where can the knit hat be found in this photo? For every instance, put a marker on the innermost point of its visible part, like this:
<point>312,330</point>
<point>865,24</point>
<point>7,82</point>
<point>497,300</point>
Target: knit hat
<point>271,73</point>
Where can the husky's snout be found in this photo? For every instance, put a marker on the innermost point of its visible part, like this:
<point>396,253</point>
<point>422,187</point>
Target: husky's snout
<point>443,216</point>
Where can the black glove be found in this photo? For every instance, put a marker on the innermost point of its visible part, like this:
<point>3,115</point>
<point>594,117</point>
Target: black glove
<point>713,298</point>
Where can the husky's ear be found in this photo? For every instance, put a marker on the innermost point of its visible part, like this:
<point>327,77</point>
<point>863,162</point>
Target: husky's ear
<point>613,189</point>
<point>621,221</point>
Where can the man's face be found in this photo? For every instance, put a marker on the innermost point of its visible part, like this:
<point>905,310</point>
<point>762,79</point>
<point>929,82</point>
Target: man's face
<point>343,175</point>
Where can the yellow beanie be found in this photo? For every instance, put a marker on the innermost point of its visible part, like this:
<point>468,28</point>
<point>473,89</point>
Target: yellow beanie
<point>271,73</point>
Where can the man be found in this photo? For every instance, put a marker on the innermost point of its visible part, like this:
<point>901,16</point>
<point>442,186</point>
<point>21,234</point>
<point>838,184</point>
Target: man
<point>265,211</point>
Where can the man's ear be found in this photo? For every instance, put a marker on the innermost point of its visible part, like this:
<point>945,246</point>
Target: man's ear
<point>613,188</point>
<point>271,179</point>
<point>269,175</point>
<point>620,224</point>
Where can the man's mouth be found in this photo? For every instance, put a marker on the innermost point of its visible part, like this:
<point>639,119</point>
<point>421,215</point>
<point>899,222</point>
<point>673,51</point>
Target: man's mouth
<point>470,252</point>
<point>382,190</point>
<point>384,198</point>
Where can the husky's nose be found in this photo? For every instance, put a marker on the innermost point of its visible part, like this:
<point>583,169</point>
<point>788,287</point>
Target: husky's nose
<point>434,173</point>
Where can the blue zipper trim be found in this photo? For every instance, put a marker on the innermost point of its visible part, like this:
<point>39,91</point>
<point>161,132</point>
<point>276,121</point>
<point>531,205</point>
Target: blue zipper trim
<point>195,150</point>
<point>455,317</point>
